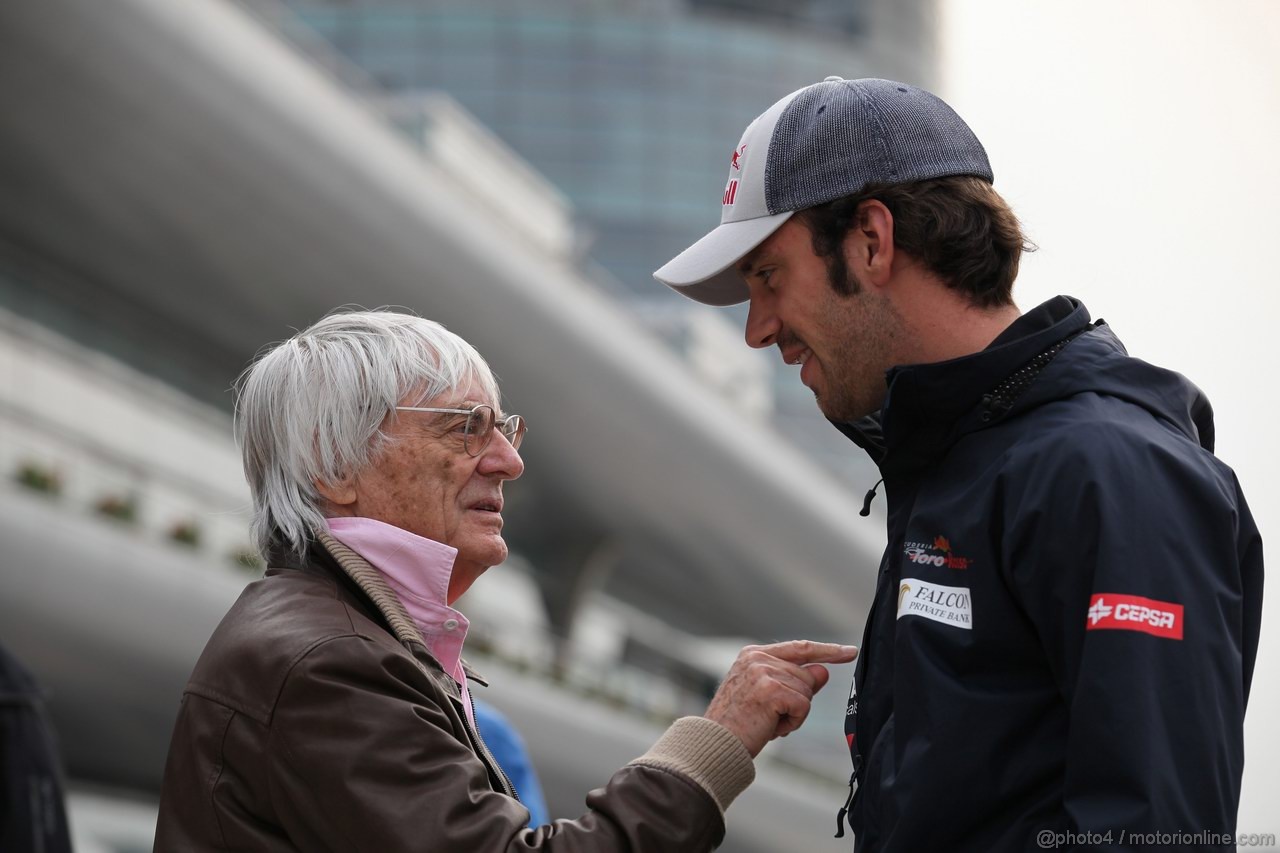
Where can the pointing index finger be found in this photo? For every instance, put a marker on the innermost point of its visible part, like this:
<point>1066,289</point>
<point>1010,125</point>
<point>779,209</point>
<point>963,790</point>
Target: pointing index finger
<point>809,651</point>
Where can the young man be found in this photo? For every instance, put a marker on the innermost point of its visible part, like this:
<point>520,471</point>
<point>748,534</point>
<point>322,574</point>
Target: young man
<point>1063,635</point>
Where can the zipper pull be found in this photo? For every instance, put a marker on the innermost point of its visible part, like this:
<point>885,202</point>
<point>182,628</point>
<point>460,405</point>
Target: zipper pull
<point>844,810</point>
<point>866,507</point>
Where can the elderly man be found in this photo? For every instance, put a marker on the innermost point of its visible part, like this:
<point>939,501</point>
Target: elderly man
<point>1066,618</point>
<point>330,709</point>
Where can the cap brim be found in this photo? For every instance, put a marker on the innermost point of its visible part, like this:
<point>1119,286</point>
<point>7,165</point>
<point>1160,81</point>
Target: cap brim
<point>707,271</point>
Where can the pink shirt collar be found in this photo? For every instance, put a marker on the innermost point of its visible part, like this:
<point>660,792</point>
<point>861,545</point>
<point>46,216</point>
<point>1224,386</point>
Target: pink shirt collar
<point>418,570</point>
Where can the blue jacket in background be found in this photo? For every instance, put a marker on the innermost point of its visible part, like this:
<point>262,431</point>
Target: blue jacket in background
<point>509,751</point>
<point>1067,613</point>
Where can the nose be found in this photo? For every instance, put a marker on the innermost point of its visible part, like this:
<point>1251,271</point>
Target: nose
<point>500,459</point>
<point>762,322</point>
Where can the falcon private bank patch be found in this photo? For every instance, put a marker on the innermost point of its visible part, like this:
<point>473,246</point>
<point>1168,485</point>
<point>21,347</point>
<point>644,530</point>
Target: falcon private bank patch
<point>950,605</point>
<point>1109,610</point>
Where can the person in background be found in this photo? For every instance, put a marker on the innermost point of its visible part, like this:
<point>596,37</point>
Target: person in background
<point>1066,618</point>
<point>331,708</point>
<point>33,814</point>
<point>509,751</point>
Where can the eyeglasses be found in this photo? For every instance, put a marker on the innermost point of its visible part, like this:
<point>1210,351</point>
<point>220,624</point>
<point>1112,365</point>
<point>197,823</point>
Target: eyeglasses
<point>478,430</point>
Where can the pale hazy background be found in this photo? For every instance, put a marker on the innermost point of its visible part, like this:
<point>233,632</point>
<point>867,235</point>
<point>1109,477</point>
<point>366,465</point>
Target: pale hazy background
<point>167,168</point>
<point>1140,144</point>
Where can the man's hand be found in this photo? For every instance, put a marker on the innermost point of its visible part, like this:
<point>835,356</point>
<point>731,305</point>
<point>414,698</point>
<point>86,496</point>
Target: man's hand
<point>767,691</point>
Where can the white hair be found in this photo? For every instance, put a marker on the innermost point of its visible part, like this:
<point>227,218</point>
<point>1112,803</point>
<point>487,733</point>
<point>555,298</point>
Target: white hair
<point>310,410</point>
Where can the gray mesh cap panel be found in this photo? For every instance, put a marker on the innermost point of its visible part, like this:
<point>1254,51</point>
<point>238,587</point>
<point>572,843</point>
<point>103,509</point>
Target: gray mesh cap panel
<point>838,136</point>
<point>821,143</point>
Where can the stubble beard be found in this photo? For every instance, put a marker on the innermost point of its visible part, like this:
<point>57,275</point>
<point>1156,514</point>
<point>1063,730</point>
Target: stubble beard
<point>864,333</point>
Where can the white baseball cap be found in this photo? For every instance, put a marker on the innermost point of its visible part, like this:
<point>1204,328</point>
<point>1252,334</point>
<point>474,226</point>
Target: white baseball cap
<point>818,144</point>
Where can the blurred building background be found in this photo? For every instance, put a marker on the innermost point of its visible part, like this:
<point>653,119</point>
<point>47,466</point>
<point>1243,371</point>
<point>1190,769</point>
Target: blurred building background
<point>184,181</point>
<point>627,107</point>
<point>622,104</point>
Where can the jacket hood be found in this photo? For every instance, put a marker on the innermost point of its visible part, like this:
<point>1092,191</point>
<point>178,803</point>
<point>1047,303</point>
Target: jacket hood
<point>1097,362</point>
<point>1050,353</point>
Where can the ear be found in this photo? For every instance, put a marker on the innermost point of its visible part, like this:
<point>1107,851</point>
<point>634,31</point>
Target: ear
<point>868,246</point>
<point>339,494</point>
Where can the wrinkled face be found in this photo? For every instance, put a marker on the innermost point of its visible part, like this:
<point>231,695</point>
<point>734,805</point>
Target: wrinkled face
<point>425,482</point>
<point>843,344</point>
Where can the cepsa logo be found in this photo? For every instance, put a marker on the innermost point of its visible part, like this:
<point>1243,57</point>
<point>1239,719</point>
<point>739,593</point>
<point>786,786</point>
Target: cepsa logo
<point>1109,610</point>
<point>937,554</point>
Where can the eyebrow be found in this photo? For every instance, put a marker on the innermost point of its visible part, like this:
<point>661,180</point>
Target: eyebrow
<point>751,261</point>
<point>465,403</point>
<point>470,403</point>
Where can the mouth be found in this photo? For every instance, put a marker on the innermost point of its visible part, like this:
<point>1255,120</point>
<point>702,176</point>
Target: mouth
<point>797,356</point>
<point>802,356</point>
<point>807,370</point>
<point>493,505</point>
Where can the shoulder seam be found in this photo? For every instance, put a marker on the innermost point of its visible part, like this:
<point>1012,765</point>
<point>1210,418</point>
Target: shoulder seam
<point>222,698</point>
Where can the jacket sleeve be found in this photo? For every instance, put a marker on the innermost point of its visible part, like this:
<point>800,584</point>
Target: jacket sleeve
<point>362,759</point>
<point>1139,567</point>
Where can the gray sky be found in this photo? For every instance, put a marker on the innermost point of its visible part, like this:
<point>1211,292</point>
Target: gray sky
<point>1140,145</point>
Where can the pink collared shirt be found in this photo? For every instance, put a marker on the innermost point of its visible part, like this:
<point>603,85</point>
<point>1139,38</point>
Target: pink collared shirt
<point>417,569</point>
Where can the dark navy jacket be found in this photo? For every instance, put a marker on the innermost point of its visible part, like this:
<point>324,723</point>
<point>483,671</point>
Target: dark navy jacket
<point>1067,613</point>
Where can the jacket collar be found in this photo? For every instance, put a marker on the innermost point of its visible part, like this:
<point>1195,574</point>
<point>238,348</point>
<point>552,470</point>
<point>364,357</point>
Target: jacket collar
<point>373,585</point>
<point>926,405</point>
<point>370,583</point>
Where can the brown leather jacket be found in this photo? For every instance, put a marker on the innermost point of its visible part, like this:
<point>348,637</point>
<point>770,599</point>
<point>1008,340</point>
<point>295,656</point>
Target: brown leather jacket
<point>316,720</point>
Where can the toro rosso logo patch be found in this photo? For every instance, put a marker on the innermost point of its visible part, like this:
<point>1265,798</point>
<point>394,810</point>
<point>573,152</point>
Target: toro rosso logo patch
<point>935,553</point>
<point>1112,611</point>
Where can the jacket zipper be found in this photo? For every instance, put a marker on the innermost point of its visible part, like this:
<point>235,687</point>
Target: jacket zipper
<point>854,781</point>
<point>1000,400</point>
<point>474,732</point>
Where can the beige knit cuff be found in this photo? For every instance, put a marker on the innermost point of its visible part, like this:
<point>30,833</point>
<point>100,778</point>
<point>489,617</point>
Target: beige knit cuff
<point>706,752</point>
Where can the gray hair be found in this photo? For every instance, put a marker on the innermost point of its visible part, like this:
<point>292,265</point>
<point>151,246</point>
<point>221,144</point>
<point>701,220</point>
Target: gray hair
<point>310,410</point>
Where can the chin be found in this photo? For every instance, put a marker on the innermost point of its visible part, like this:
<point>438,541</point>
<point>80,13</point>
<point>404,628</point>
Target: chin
<point>845,404</point>
<point>487,553</point>
<point>826,408</point>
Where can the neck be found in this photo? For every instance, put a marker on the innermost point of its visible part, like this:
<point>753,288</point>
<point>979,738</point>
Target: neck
<point>464,575</point>
<point>944,324</point>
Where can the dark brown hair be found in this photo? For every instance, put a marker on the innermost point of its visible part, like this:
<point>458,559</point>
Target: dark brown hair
<point>958,227</point>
